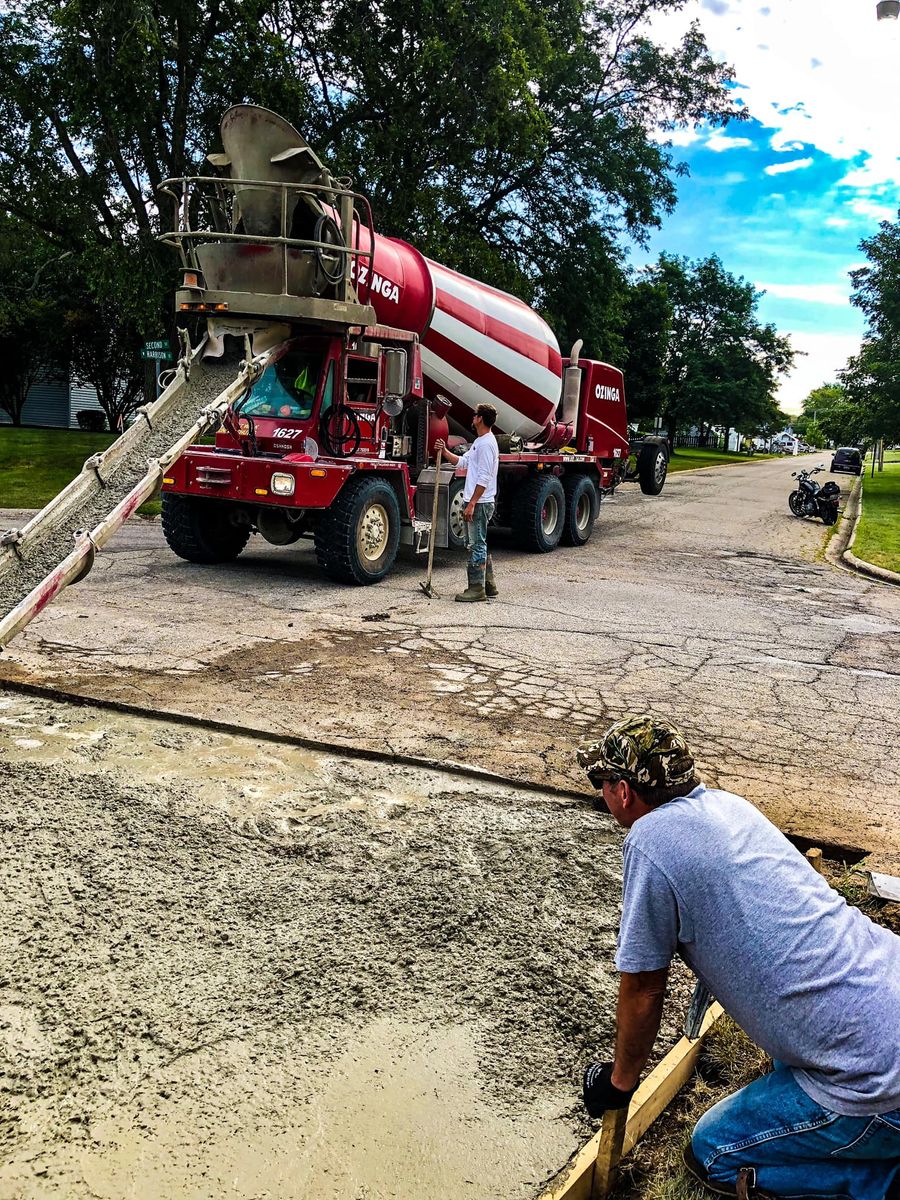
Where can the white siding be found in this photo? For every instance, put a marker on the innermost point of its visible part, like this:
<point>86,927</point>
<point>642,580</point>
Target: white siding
<point>47,404</point>
<point>54,402</point>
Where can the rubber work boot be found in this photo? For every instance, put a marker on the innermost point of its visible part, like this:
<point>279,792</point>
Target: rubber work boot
<point>475,590</point>
<point>490,586</point>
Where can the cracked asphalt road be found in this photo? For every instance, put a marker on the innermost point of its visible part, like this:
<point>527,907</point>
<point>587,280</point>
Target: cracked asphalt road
<point>710,603</point>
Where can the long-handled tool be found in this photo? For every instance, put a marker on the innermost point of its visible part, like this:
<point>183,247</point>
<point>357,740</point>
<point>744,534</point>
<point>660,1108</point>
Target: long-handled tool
<point>426,586</point>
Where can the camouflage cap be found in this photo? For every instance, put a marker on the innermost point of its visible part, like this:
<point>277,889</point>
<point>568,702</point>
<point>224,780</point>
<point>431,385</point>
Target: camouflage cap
<point>643,750</point>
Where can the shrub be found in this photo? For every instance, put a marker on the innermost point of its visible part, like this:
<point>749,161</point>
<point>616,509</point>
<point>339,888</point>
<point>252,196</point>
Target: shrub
<point>91,420</point>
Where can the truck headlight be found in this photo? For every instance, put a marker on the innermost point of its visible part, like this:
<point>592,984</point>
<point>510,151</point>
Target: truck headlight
<point>282,484</point>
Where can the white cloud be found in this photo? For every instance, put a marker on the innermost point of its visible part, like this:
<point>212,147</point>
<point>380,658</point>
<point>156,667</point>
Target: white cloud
<point>813,293</point>
<point>678,137</point>
<point>837,222</point>
<point>721,141</point>
<point>825,80</point>
<point>824,355</point>
<point>864,207</point>
<point>796,164</point>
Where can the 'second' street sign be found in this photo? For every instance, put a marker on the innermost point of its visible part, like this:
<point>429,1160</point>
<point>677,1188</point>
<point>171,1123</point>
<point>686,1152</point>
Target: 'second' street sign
<point>157,345</point>
<point>156,355</point>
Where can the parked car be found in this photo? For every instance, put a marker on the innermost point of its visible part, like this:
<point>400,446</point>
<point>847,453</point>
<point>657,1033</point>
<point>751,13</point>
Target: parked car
<point>847,458</point>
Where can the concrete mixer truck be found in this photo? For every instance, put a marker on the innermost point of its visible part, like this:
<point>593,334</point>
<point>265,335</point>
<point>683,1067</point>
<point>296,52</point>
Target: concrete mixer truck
<point>375,353</point>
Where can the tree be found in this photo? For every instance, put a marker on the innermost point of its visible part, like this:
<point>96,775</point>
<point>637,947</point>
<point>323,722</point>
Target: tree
<point>30,333</point>
<point>721,364</point>
<point>871,380</point>
<point>814,435</point>
<point>839,419</point>
<point>594,309</point>
<point>112,303</point>
<point>646,336</point>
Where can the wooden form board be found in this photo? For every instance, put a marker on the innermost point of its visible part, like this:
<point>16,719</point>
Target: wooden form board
<point>591,1173</point>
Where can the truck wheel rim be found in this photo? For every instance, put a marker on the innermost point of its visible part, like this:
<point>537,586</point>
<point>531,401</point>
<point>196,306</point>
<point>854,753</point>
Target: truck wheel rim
<point>550,516</point>
<point>457,520</point>
<point>372,536</point>
<point>661,467</point>
<point>583,512</point>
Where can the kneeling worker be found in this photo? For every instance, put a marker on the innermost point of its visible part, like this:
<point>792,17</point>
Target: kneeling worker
<point>480,462</point>
<point>810,979</point>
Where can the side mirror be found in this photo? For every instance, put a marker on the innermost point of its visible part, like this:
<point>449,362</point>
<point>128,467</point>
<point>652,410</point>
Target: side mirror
<point>393,376</point>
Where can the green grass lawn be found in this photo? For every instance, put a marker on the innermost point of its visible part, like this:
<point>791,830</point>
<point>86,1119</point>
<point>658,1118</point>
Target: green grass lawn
<point>35,464</point>
<point>689,460</point>
<point>878,533</point>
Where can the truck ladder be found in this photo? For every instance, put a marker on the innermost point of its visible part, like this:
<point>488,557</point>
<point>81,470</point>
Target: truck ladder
<point>90,483</point>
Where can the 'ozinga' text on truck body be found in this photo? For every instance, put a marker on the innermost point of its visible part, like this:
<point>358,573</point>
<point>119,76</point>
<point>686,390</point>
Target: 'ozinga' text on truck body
<point>379,352</point>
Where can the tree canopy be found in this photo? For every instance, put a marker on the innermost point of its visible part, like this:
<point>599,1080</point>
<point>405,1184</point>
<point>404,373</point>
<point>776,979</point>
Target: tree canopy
<point>871,380</point>
<point>721,364</point>
<point>520,141</point>
<point>838,418</point>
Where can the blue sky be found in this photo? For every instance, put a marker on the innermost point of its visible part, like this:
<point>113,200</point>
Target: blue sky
<point>785,197</point>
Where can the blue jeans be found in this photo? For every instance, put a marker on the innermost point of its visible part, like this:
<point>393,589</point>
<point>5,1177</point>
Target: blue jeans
<point>799,1148</point>
<point>476,535</point>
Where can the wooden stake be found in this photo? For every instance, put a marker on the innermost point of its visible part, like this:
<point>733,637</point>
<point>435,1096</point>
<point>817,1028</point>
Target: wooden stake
<point>606,1168</point>
<point>814,854</point>
<point>591,1172</point>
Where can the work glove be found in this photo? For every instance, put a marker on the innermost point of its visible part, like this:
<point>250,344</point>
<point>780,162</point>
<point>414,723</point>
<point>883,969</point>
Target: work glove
<point>600,1094</point>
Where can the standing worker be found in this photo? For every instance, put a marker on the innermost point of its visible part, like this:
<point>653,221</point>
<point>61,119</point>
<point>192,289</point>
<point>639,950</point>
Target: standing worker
<point>810,979</point>
<point>480,462</point>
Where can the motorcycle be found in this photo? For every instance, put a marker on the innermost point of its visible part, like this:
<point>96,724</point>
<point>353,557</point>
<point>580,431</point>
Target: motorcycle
<point>811,499</point>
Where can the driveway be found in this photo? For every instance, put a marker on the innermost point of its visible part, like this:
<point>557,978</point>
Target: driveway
<point>710,603</point>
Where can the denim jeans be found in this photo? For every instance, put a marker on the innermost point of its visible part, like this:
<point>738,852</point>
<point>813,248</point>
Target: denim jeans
<point>799,1148</point>
<point>476,535</point>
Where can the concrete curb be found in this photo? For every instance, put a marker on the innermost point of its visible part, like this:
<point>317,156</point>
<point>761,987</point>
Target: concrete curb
<point>839,552</point>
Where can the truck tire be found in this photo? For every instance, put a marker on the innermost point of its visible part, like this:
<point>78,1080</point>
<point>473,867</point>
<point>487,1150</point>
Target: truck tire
<point>201,530</point>
<point>653,466</point>
<point>539,514</point>
<point>582,506</point>
<point>456,528</point>
<point>357,538</point>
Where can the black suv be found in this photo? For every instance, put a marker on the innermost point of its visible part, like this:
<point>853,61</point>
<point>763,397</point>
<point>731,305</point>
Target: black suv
<point>848,459</point>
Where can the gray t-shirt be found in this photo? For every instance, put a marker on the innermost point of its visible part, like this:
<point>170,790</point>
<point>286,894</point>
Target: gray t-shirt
<point>811,980</point>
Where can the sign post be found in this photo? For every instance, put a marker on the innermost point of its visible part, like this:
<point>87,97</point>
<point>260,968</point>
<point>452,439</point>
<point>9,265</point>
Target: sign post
<point>156,352</point>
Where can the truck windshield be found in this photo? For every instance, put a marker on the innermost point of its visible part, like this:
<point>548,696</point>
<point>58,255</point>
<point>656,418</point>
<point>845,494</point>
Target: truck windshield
<point>287,388</point>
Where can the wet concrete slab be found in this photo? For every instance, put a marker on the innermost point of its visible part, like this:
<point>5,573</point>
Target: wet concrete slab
<point>237,968</point>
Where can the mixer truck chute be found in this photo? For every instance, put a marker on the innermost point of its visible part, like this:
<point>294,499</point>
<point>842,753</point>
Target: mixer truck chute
<point>375,352</point>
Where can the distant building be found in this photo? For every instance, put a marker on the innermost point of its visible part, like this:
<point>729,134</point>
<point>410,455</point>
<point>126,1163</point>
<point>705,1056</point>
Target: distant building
<point>53,403</point>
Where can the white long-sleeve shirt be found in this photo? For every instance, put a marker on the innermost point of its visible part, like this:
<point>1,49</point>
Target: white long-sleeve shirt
<point>480,464</point>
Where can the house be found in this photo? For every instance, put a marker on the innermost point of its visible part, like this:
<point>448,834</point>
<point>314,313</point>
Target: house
<point>53,403</point>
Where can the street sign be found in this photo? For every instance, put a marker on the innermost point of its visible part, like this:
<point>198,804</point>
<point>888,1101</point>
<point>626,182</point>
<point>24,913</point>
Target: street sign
<point>156,355</point>
<point>157,345</point>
